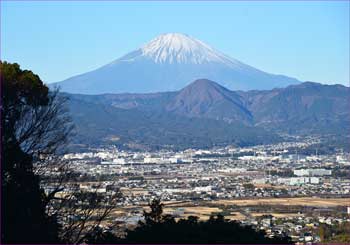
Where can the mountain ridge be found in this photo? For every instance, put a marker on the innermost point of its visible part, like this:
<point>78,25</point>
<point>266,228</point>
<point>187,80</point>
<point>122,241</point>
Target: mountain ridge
<point>205,113</point>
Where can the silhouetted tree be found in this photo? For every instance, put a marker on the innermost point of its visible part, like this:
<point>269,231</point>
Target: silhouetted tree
<point>155,215</point>
<point>34,126</point>
<point>83,213</point>
<point>163,229</point>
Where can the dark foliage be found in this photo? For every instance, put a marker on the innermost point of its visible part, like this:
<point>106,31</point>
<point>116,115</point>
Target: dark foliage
<point>338,233</point>
<point>190,230</point>
<point>164,229</point>
<point>32,127</point>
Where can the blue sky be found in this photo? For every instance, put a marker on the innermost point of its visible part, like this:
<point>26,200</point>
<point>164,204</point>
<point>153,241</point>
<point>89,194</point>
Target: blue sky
<point>306,40</point>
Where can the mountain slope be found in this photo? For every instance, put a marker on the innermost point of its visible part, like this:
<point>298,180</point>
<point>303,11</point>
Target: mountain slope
<point>204,98</point>
<point>307,107</point>
<point>204,114</point>
<point>168,63</point>
<point>98,124</point>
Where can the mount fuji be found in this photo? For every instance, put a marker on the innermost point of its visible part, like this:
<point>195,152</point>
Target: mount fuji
<point>168,63</point>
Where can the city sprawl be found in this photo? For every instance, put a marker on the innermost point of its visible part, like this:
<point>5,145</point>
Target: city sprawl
<point>277,188</point>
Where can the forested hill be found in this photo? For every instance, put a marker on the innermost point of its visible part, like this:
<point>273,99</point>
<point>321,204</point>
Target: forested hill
<point>204,114</point>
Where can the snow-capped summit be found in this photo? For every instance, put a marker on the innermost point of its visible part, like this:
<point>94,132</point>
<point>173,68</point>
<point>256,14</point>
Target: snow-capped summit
<point>181,48</point>
<point>178,48</point>
<point>167,63</point>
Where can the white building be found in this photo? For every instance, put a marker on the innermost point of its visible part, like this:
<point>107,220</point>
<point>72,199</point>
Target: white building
<point>115,161</point>
<point>304,180</point>
<point>175,160</point>
<point>152,160</point>
<point>298,180</point>
<point>203,189</point>
<point>259,181</point>
<point>119,161</point>
<point>312,172</point>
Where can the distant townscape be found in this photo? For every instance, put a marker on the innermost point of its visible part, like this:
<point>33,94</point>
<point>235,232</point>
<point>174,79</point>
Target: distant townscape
<point>284,189</point>
<point>180,122</point>
<point>174,142</point>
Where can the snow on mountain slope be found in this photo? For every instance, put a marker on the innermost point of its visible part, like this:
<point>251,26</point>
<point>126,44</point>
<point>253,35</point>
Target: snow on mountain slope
<point>170,62</point>
<point>179,48</point>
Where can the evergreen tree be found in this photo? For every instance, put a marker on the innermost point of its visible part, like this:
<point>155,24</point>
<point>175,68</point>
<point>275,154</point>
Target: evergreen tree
<point>32,127</point>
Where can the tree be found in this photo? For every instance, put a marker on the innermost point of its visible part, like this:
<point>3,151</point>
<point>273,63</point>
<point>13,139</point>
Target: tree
<point>34,126</point>
<point>336,233</point>
<point>248,186</point>
<point>83,213</point>
<point>163,229</point>
<point>155,215</point>
<point>321,231</point>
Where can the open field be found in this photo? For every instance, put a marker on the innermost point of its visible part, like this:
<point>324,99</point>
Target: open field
<point>118,212</point>
<point>297,201</point>
<point>183,209</point>
<point>235,216</point>
<point>276,187</point>
<point>278,215</point>
<point>200,210</point>
<point>290,201</point>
